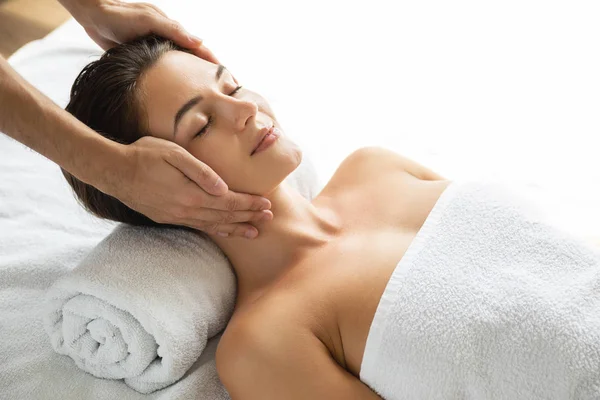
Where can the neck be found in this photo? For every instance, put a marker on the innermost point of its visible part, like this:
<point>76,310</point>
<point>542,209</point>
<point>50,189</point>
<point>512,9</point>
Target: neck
<point>297,229</point>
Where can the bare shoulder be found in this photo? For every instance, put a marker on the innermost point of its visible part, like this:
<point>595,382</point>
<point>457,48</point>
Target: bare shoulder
<point>243,323</point>
<point>265,320</point>
<point>266,356</point>
<point>367,163</point>
<point>248,329</point>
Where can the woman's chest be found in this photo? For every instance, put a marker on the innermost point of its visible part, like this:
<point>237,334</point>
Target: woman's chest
<point>339,297</point>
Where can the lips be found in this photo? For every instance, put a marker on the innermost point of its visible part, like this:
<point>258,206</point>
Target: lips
<point>262,134</point>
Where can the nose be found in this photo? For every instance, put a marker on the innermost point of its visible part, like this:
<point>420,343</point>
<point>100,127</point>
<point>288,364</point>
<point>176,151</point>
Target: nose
<point>238,111</point>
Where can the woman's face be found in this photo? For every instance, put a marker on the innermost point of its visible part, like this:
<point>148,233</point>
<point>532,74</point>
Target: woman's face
<point>180,94</point>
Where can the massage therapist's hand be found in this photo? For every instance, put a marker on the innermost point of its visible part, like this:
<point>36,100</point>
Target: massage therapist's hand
<point>111,22</point>
<point>153,176</point>
<point>155,183</point>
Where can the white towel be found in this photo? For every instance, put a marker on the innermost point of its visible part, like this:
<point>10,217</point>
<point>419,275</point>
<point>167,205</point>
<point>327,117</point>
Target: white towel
<point>489,302</point>
<point>142,305</point>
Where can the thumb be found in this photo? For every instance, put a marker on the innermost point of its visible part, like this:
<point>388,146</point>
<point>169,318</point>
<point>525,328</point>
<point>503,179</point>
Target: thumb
<point>173,30</point>
<point>101,41</point>
<point>198,172</point>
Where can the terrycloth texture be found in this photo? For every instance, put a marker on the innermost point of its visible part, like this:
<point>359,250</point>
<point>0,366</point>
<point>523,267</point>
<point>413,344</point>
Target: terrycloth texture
<point>142,305</point>
<point>489,302</point>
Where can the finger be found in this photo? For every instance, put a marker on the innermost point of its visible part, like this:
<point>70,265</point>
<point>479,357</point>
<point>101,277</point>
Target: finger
<point>191,42</point>
<point>155,8</point>
<point>204,53</point>
<point>246,231</point>
<point>238,230</point>
<point>232,217</point>
<point>234,201</point>
<point>101,41</point>
<point>197,171</point>
<point>223,230</point>
<point>173,30</point>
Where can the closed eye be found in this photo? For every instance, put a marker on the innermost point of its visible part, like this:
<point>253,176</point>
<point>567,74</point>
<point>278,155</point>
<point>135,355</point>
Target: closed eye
<point>208,123</point>
<point>235,91</point>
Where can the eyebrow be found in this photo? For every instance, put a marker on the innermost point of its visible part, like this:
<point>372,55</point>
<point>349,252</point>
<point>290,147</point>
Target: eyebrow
<point>192,102</point>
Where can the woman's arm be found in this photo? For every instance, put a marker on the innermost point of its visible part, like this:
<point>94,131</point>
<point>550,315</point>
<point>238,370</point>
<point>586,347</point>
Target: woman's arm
<point>273,361</point>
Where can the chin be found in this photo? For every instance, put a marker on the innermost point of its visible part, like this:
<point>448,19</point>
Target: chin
<point>287,162</point>
<point>294,157</point>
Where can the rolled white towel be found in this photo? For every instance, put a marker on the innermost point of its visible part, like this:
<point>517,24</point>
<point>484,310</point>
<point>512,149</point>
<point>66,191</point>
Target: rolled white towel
<point>142,305</point>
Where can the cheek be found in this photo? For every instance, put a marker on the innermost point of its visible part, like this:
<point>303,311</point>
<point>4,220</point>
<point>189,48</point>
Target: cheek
<point>231,166</point>
<point>207,151</point>
<point>216,151</point>
<point>266,109</point>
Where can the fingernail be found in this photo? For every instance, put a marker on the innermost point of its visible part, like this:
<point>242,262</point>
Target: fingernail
<point>265,206</point>
<point>221,186</point>
<point>266,217</point>
<point>195,39</point>
<point>250,234</point>
<point>224,234</point>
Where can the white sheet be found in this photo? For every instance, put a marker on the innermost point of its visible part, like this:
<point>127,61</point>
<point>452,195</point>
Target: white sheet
<point>503,92</point>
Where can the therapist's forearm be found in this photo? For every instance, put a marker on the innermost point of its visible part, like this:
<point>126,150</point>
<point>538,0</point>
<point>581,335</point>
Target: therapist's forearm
<point>34,120</point>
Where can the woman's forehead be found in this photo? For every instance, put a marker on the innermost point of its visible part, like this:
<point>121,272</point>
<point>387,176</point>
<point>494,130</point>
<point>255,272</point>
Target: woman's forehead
<point>177,69</point>
<point>174,79</point>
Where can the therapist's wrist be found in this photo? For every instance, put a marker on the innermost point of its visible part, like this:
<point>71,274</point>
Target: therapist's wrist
<point>94,159</point>
<point>106,166</point>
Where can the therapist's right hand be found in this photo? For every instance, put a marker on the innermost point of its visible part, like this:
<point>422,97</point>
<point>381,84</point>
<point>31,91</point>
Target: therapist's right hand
<point>163,181</point>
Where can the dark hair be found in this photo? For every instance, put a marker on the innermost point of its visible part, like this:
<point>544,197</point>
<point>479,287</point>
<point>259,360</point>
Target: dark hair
<point>104,98</point>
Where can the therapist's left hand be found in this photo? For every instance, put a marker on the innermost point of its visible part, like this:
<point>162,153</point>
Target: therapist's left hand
<point>111,22</point>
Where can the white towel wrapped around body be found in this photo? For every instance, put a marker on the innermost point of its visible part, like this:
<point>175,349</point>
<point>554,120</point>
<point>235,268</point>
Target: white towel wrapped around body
<point>488,302</point>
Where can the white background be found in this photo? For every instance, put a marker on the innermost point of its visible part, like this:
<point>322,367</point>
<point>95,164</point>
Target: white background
<point>500,91</point>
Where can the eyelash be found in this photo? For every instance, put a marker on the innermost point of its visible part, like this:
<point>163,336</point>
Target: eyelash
<point>210,118</point>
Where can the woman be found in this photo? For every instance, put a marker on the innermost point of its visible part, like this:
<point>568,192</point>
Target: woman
<point>309,286</point>
<point>310,259</point>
